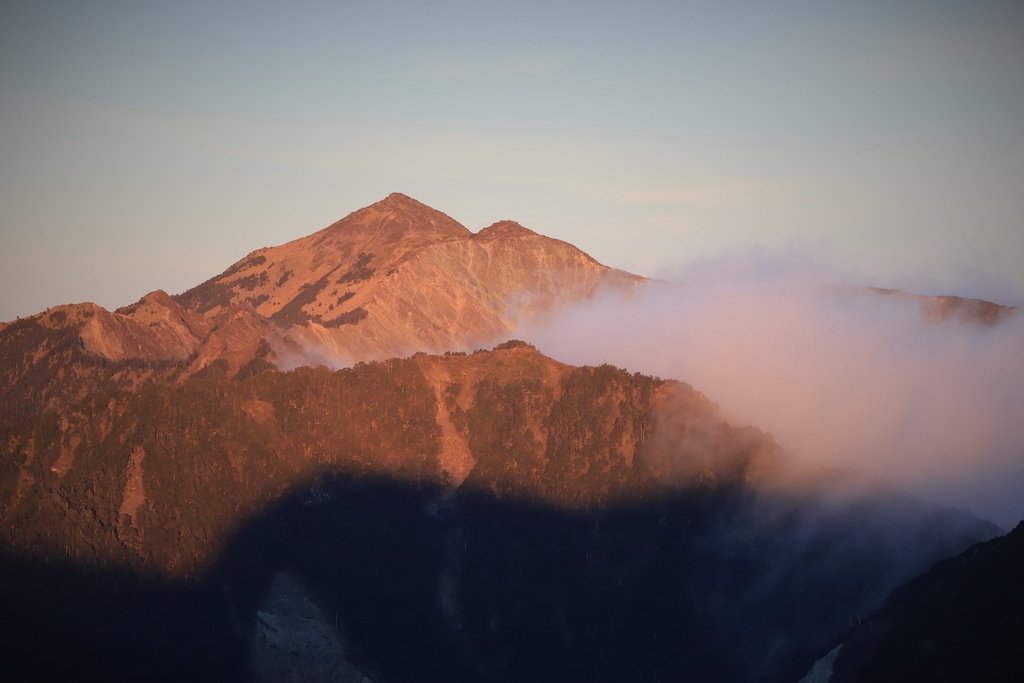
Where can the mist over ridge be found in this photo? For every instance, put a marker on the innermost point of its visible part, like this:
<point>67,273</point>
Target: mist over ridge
<point>882,384</point>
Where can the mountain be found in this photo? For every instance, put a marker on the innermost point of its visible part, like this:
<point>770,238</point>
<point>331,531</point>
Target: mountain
<point>962,620</point>
<point>176,504</point>
<point>388,280</point>
<point>103,476</point>
<point>55,358</point>
<point>943,308</point>
<point>487,516</point>
<point>399,276</point>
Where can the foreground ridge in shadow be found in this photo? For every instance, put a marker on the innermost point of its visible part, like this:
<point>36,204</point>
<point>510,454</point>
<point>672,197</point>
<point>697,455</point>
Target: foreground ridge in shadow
<point>407,582</point>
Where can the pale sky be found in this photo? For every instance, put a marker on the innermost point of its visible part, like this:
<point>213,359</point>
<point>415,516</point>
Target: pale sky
<point>149,145</point>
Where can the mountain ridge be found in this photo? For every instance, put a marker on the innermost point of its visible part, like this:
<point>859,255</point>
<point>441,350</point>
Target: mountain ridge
<point>960,620</point>
<point>390,279</point>
<point>393,278</point>
<point>357,287</point>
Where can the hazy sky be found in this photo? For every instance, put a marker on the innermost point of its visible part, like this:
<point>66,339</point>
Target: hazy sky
<point>149,145</point>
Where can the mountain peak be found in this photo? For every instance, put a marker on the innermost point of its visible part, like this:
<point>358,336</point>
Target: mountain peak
<point>397,199</point>
<point>157,296</point>
<point>409,207</point>
<point>502,229</point>
<point>397,216</point>
<point>158,299</point>
<point>399,276</point>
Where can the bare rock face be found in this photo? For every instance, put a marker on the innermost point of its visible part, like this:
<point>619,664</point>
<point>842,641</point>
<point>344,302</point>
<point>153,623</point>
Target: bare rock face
<point>398,277</point>
<point>392,279</point>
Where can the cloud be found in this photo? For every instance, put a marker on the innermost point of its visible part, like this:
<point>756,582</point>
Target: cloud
<point>841,378</point>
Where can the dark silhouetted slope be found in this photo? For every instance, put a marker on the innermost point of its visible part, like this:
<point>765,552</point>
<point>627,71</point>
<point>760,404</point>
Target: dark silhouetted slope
<point>963,620</point>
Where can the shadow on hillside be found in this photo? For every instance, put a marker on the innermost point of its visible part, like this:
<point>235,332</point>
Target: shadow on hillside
<point>709,585</point>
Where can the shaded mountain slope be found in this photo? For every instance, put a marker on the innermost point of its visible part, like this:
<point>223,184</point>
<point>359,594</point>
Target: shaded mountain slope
<point>107,479</point>
<point>418,584</point>
<point>962,620</point>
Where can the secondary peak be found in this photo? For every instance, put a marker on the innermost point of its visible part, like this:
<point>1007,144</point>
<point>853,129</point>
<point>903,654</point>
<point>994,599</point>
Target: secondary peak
<point>504,229</point>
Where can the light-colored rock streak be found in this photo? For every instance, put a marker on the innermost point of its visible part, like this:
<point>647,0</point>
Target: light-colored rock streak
<point>455,458</point>
<point>134,492</point>
<point>70,440</point>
